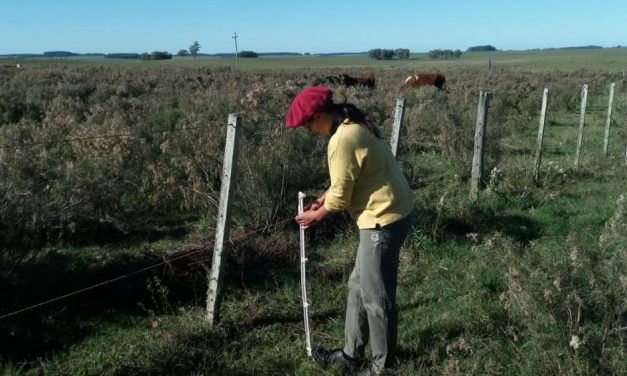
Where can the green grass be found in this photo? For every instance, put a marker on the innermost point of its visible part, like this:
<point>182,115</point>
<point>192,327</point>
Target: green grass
<point>459,311</point>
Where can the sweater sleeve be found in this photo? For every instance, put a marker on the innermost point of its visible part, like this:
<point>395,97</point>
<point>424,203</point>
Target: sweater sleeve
<point>345,161</point>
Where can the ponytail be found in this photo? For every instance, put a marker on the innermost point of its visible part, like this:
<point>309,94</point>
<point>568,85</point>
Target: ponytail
<point>351,112</point>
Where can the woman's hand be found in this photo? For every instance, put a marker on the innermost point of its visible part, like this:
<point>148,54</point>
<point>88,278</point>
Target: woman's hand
<point>311,216</point>
<point>315,205</point>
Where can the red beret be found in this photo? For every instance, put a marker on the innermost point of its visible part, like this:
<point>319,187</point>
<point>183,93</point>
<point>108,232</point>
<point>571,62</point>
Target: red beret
<point>306,104</point>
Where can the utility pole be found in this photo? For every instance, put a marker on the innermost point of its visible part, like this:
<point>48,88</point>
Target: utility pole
<point>236,53</point>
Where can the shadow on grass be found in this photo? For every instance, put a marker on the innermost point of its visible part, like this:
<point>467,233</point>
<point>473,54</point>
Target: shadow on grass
<point>126,284</point>
<point>58,324</point>
<point>518,227</point>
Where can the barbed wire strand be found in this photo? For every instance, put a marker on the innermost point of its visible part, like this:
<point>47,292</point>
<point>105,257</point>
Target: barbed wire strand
<point>95,137</point>
<point>142,270</point>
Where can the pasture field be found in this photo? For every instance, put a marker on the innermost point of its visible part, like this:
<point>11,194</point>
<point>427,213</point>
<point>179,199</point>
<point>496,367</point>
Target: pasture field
<point>608,60</point>
<point>110,172</point>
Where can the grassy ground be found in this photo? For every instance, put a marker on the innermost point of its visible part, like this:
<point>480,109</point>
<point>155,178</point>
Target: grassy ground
<point>472,294</point>
<point>531,280</point>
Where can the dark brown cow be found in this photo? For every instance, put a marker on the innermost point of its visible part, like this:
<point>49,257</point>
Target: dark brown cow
<point>331,80</point>
<point>425,79</point>
<point>348,81</point>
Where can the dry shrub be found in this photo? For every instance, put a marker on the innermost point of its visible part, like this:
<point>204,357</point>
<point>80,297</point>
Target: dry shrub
<point>161,155</point>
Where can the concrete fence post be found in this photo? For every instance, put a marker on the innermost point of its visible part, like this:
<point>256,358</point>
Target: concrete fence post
<point>606,139</point>
<point>224,216</point>
<point>582,116</point>
<point>538,157</point>
<point>399,114</point>
<point>480,129</point>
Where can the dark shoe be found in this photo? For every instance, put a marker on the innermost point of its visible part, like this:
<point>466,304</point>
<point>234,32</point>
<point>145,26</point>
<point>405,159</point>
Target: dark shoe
<point>324,356</point>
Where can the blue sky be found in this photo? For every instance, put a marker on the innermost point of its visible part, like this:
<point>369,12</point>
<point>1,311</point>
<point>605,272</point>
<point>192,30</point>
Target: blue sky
<point>107,26</point>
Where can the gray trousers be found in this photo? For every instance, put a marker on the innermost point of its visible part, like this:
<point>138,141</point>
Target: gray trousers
<point>371,311</point>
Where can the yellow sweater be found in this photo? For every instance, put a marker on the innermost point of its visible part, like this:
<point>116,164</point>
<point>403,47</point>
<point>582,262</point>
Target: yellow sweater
<point>365,178</point>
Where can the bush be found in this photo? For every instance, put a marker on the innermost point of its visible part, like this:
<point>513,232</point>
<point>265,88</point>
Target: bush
<point>130,56</point>
<point>481,48</point>
<point>170,164</point>
<point>247,54</point>
<point>58,54</point>
<point>156,55</point>
<point>381,54</point>
<point>445,54</point>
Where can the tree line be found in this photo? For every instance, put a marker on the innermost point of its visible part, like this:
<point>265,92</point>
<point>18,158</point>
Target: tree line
<point>486,47</point>
<point>385,54</point>
<point>445,54</point>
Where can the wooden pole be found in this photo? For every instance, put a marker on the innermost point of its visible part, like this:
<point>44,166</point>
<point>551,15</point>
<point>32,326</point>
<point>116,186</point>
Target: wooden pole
<point>399,114</point>
<point>538,158</point>
<point>477,159</point>
<point>584,99</point>
<point>236,53</point>
<point>609,120</point>
<point>224,216</point>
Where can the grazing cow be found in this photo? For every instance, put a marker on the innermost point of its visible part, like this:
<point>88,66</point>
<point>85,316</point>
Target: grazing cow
<point>425,79</point>
<point>348,81</point>
<point>327,80</point>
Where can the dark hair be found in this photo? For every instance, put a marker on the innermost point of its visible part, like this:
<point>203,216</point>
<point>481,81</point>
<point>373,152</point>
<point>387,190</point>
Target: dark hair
<point>351,112</point>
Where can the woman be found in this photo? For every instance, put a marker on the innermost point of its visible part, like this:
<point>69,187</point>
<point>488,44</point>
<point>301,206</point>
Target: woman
<point>367,181</point>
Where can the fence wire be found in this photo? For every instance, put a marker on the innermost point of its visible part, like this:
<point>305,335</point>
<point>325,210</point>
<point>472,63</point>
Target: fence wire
<point>197,249</point>
<point>105,136</point>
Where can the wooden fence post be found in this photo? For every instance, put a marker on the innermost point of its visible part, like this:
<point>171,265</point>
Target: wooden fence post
<point>584,99</point>
<point>399,114</point>
<point>538,158</point>
<point>224,216</point>
<point>609,120</point>
<point>477,159</point>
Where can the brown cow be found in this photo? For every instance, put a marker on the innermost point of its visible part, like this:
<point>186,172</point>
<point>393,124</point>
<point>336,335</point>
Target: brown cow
<point>348,81</point>
<point>425,79</point>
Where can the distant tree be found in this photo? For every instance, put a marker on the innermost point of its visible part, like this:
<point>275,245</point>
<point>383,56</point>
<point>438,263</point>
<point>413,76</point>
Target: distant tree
<point>58,54</point>
<point>388,54</point>
<point>487,47</point>
<point>156,55</point>
<point>381,54</point>
<point>194,48</point>
<point>247,54</point>
<point>402,53</point>
<point>445,54</point>
<point>181,53</point>
<point>129,56</point>
<point>375,53</point>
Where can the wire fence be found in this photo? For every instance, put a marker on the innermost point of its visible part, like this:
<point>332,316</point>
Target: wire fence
<point>198,248</point>
<point>103,136</point>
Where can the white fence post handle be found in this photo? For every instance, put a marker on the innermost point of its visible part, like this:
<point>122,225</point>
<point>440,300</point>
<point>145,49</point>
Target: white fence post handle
<point>303,281</point>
